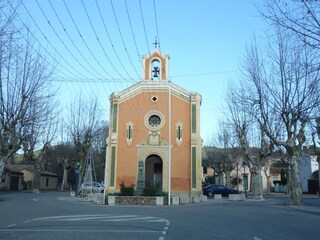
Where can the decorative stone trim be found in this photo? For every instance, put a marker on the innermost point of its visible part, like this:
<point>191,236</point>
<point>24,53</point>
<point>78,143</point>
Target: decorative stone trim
<point>129,133</point>
<point>149,114</point>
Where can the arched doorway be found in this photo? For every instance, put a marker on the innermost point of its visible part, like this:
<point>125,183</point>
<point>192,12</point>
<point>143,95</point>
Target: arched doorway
<point>153,172</point>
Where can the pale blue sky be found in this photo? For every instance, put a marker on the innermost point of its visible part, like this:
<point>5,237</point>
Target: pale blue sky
<point>205,39</point>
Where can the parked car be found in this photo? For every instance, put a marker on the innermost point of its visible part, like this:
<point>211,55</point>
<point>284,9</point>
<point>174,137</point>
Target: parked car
<point>212,189</point>
<point>91,187</point>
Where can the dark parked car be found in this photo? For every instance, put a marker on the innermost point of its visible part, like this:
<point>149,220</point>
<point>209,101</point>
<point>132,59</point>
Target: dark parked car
<point>212,189</point>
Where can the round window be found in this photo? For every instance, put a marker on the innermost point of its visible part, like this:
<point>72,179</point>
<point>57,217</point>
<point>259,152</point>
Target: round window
<point>154,120</point>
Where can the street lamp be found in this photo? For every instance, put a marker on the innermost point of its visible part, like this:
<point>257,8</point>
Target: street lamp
<point>77,172</point>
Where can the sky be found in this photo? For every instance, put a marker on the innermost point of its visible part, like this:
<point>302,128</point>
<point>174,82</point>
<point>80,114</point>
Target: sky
<point>97,45</point>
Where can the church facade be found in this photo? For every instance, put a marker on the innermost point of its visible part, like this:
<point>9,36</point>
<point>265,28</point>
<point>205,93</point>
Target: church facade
<point>154,134</point>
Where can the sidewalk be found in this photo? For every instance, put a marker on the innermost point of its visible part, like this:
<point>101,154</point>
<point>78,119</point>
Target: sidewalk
<point>311,202</point>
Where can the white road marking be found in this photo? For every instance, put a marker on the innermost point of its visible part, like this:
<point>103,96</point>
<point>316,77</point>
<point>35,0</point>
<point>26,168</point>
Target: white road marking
<point>103,218</point>
<point>11,225</point>
<point>79,230</point>
<point>98,218</point>
<point>256,238</point>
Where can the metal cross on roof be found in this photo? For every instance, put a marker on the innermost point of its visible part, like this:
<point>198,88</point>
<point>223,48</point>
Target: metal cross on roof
<point>156,43</point>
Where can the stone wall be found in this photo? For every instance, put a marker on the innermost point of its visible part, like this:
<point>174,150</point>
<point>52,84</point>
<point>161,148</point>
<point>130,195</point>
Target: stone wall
<point>136,200</point>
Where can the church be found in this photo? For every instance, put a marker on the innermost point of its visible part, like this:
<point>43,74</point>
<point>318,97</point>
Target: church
<point>154,134</point>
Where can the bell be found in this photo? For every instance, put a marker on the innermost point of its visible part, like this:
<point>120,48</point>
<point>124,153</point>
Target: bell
<point>155,72</point>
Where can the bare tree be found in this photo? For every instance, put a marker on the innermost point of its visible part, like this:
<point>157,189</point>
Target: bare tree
<point>24,91</point>
<point>283,88</point>
<point>83,127</point>
<point>229,152</point>
<point>222,156</point>
<point>242,120</point>
<point>301,17</point>
<point>48,131</point>
<point>99,148</point>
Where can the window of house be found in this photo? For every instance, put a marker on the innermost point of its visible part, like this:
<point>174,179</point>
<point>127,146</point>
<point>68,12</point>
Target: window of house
<point>47,182</point>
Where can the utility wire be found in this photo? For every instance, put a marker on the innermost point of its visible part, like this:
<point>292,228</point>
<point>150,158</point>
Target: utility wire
<point>144,26</point>
<point>85,43</point>
<point>44,36</point>
<point>98,39</point>
<point>40,44</point>
<point>132,33</point>
<point>134,40</point>
<point>110,40</point>
<point>120,32</point>
<point>54,30</point>
<point>156,20</point>
<point>71,40</point>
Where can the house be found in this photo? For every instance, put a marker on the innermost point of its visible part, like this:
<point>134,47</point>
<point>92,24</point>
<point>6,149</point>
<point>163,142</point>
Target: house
<point>274,175</point>
<point>308,165</point>
<point>233,172</point>
<point>20,177</point>
<point>13,179</point>
<point>154,137</point>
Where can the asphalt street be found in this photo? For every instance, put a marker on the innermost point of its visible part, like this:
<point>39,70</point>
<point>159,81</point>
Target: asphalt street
<point>57,215</point>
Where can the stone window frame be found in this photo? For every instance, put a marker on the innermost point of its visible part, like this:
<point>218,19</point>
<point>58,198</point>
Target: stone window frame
<point>179,132</point>
<point>129,133</point>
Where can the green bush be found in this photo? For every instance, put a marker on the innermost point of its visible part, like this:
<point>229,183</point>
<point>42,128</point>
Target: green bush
<point>152,192</point>
<point>126,190</point>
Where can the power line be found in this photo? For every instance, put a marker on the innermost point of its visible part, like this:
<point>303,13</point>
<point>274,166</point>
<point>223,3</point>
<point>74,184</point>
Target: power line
<point>44,36</point>
<point>110,40</point>
<point>98,39</point>
<point>156,20</point>
<point>120,32</point>
<point>61,39</point>
<point>76,59</point>
<point>144,26</point>
<point>85,43</point>
<point>40,44</point>
<point>203,74</point>
<point>134,40</point>
<point>132,33</point>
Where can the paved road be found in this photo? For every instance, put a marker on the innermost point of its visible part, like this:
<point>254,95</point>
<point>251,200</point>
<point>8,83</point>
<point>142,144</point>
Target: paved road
<point>55,215</point>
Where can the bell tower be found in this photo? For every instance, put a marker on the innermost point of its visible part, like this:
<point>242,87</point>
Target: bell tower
<point>155,66</point>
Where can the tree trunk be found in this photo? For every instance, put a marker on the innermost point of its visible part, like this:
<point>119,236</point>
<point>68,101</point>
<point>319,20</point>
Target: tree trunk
<point>228,179</point>
<point>36,176</point>
<point>2,170</point>
<point>257,183</point>
<point>295,181</point>
<point>268,184</point>
<point>65,178</point>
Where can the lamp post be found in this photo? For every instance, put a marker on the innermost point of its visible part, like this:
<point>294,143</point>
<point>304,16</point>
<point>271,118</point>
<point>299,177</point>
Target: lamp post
<point>245,183</point>
<point>77,172</point>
